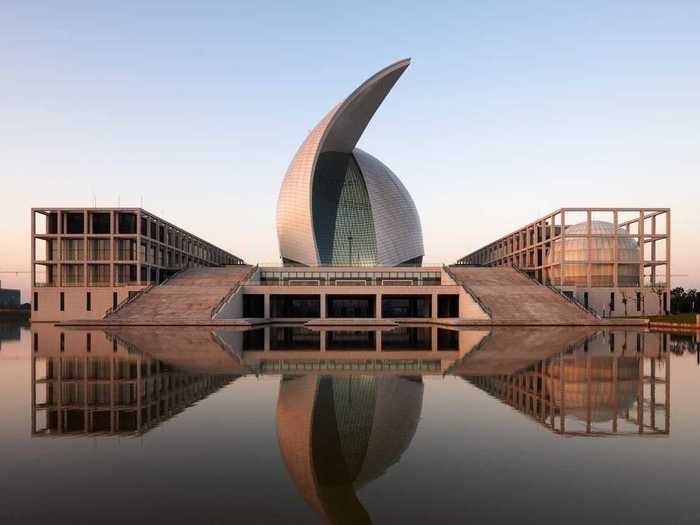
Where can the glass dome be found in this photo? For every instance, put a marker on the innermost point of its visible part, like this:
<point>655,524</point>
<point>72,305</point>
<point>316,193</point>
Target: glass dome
<point>602,256</point>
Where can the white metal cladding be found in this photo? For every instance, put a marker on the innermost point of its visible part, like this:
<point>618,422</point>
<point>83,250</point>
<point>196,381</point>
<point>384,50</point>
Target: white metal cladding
<point>339,131</point>
<point>396,221</point>
<point>295,230</point>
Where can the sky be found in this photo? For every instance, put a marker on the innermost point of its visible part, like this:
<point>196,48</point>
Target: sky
<point>193,110</point>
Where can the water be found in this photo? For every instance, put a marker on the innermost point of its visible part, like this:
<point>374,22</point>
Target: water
<point>287,425</point>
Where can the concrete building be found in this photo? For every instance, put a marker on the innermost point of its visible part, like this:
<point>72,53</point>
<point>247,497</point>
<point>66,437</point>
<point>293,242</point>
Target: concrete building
<point>351,250</point>
<point>616,261</point>
<point>326,293</point>
<point>340,206</point>
<point>86,261</point>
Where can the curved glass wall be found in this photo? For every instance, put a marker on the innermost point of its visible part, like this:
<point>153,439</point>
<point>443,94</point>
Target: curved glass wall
<point>342,214</point>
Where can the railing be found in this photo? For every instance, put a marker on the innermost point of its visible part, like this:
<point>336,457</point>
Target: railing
<point>556,290</point>
<point>233,291</point>
<point>347,282</point>
<point>471,292</point>
<point>129,299</point>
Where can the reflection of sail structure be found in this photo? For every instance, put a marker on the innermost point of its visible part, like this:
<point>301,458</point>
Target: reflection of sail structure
<point>338,433</point>
<point>586,393</point>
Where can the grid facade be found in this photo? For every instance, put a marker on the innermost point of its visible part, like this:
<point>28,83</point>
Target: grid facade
<point>612,256</point>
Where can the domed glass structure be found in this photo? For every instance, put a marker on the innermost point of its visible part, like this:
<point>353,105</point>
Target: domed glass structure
<point>602,256</point>
<point>339,205</point>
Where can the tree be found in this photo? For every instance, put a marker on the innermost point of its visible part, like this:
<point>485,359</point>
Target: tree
<point>659,291</point>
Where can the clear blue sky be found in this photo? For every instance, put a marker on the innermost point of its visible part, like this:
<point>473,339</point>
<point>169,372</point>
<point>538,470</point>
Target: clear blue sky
<point>509,110</point>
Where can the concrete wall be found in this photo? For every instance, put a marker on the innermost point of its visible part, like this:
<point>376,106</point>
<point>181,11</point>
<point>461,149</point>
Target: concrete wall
<point>233,309</point>
<point>75,301</point>
<point>599,300</point>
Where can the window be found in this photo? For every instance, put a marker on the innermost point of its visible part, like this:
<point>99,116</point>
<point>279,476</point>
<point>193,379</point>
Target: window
<point>36,301</point>
<point>612,301</point>
<point>36,342</point>
<point>100,222</point>
<point>126,223</point>
<point>62,299</point>
<point>88,342</point>
<point>612,342</point>
<point>63,342</point>
<point>88,301</point>
<point>114,300</point>
<point>639,301</point>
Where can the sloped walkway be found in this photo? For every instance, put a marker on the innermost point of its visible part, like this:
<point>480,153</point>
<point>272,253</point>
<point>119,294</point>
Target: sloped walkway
<point>188,296</point>
<point>512,297</point>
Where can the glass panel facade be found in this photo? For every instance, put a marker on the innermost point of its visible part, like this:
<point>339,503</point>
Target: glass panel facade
<point>342,214</point>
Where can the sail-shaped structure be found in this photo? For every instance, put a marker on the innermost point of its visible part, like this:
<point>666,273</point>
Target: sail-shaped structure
<point>339,205</point>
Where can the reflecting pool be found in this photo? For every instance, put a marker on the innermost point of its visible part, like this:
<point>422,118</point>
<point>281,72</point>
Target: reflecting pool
<point>283,424</point>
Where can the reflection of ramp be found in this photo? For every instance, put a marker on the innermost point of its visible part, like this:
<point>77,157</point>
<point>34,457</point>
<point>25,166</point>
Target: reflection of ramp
<point>195,350</point>
<point>191,295</point>
<point>508,350</point>
<point>512,297</point>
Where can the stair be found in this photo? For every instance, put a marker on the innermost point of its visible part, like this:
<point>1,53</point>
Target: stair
<point>511,296</point>
<point>188,296</point>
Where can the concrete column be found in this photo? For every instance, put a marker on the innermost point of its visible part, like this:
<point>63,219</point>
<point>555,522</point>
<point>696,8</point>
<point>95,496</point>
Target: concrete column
<point>434,308</point>
<point>653,247</point>
<point>378,306</point>
<point>85,247</point>
<point>589,256</point>
<point>266,308</point>
<point>33,269</point>
<point>562,258</point>
<point>434,338</point>
<point>668,258</point>
<point>112,250</point>
<point>616,256</point>
<point>138,247</point>
<point>378,341</point>
<point>322,301</point>
<point>640,234</point>
<point>266,345</point>
<point>59,240</point>
<point>322,340</point>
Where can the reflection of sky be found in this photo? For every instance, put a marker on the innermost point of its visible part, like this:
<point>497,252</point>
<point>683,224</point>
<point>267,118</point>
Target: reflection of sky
<point>472,456</point>
<point>517,110</point>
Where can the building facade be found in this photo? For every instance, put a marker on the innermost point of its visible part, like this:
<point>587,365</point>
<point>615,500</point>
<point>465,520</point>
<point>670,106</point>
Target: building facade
<point>340,206</point>
<point>88,260</point>
<point>616,261</point>
<point>9,299</point>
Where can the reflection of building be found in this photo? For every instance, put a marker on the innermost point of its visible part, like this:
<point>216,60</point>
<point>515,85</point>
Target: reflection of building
<point>87,260</point>
<point>337,434</point>
<point>425,350</point>
<point>592,394</point>
<point>339,205</point>
<point>83,382</point>
<point>604,257</point>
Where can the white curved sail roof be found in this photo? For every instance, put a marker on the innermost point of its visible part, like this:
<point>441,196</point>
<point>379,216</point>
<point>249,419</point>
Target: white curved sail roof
<point>396,222</point>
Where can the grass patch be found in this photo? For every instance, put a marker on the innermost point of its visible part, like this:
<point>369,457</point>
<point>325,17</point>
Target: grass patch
<point>674,318</point>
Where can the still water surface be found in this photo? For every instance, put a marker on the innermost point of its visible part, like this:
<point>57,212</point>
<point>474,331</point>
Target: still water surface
<point>287,425</point>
